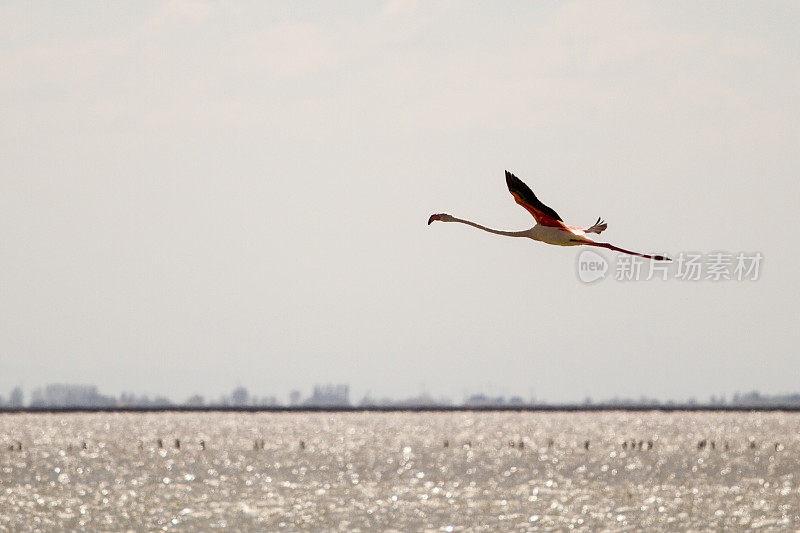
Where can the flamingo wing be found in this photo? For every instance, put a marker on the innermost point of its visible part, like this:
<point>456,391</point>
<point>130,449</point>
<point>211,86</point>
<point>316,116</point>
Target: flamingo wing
<point>524,196</point>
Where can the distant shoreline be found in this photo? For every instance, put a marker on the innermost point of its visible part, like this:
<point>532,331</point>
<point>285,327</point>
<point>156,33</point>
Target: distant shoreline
<point>550,408</point>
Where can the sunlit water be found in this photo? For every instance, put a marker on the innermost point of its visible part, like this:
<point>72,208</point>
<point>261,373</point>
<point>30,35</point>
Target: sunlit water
<point>403,471</point>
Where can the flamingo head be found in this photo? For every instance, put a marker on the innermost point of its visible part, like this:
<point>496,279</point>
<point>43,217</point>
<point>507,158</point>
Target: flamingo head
<point>440,216</point>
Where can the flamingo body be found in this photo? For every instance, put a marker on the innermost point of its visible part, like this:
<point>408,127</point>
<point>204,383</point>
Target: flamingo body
<point>557,236</point>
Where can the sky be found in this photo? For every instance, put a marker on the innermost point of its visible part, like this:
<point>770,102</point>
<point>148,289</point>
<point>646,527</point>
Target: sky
<point>200,195</point>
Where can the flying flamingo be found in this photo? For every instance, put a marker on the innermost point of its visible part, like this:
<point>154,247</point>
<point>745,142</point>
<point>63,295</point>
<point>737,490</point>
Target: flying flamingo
<point>549,227</point>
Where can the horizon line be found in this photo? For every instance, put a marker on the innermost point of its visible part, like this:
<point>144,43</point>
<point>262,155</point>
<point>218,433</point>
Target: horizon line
<point>564,407</point>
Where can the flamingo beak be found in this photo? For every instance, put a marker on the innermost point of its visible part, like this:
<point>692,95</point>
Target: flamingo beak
<point>434,217</point>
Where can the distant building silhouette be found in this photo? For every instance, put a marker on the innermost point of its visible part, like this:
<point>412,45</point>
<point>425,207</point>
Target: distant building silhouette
<point>295,397</point>
<point>330,396</point>
<point>756,398</point>
<point>240,397</point>
<point>266,401</point>
<point>17,398</point>
<point>422,400</point>
<point>65,395</point>
<point>369,401</point>
<point>161,401</point>
<point>196,400</point>
<point>479,400</point>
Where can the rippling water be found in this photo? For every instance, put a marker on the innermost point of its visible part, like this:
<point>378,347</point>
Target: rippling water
<point>400,471</point>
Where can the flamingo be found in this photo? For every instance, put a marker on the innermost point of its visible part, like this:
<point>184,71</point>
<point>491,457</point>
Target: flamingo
<point>549,228</point>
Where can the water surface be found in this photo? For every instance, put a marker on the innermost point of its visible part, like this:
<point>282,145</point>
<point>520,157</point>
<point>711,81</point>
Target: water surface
<point>399,471</point>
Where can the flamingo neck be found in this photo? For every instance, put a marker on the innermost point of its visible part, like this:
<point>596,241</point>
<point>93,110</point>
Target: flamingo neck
<point>524,233</point>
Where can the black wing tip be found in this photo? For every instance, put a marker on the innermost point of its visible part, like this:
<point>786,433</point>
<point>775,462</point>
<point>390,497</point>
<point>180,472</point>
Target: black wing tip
<point>513,182</point>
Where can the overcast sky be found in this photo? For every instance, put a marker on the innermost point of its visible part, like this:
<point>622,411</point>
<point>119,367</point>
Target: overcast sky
<point>199,195</point>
